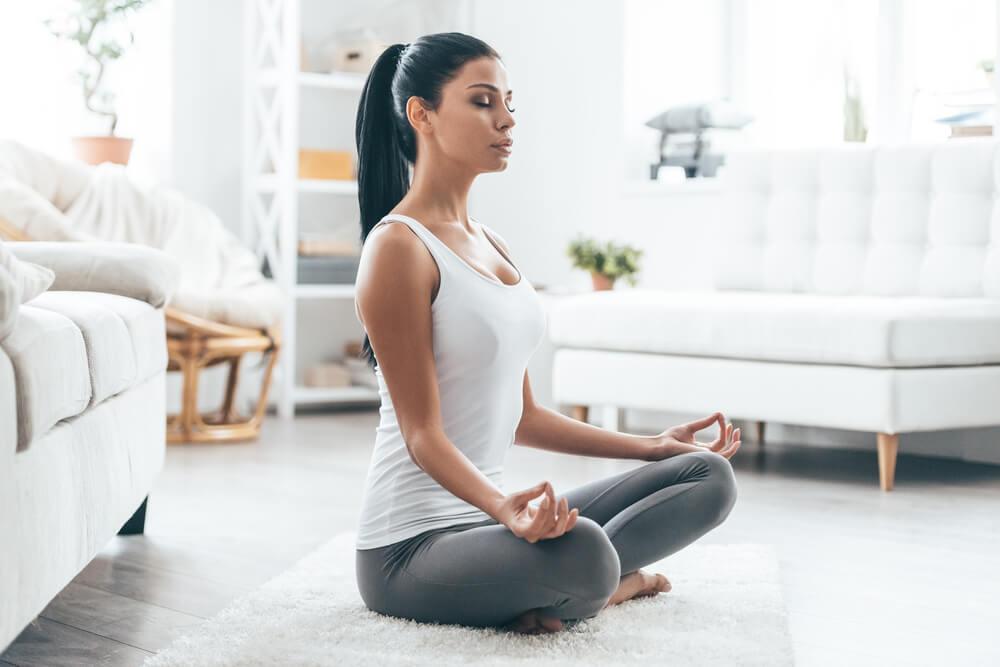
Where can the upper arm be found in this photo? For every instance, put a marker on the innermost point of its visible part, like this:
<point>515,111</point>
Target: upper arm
<point>528,406</point>
<point>395,286</point>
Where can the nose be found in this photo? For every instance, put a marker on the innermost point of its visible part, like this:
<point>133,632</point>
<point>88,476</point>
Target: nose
<point>507,121</point>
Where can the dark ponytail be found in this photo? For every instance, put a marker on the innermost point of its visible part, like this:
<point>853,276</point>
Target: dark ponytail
<point>386,141</point>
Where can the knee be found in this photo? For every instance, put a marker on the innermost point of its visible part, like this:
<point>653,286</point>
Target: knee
<point>720,483</point>
<point>593,569</point>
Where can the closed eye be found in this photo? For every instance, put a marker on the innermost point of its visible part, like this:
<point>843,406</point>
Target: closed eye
<point>489,105</point>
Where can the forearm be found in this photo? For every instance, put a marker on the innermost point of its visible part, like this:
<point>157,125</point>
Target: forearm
<point>448,466</point>
<point>543,428</point>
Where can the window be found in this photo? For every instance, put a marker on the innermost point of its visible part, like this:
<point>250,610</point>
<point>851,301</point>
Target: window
<point>811,73</point>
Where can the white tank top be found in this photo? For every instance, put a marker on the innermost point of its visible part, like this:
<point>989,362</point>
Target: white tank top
<point>484,333</point>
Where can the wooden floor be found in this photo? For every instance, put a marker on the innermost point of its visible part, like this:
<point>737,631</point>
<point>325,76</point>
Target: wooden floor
<point>909,577</point>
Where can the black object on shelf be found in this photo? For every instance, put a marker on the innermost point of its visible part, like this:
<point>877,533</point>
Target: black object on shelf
<point>322,270</point>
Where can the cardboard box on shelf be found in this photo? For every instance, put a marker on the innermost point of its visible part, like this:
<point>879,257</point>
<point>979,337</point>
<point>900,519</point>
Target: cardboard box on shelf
<point>327,165</point>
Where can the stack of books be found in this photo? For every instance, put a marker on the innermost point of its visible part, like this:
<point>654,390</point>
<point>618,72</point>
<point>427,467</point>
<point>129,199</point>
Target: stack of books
<point>352,370</point>
<point>325,260</point>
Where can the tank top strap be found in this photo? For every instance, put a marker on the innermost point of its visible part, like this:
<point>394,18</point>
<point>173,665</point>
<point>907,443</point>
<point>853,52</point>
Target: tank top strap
<point>442,255</point>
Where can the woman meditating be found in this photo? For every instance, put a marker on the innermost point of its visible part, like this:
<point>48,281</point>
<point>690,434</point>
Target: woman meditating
<point>451,323</point>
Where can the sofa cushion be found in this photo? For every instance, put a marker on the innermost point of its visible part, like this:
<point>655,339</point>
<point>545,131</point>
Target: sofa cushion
<point>829,329</point>
<point>881,220</point>
<point>51,375</point>
<point>71,350</point>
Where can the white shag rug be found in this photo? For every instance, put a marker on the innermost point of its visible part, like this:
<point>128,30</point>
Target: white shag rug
<point>725,608</point>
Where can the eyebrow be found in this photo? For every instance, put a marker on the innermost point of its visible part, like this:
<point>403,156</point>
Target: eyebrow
<point>490,86</point>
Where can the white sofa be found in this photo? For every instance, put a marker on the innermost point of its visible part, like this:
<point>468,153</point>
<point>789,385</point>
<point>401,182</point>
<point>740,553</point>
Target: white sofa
<point>854,287</point>
<point>82,408</point>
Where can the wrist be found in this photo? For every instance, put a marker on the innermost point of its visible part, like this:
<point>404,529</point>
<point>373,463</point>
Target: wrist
<point>495,508</point>
<point>654,448</point>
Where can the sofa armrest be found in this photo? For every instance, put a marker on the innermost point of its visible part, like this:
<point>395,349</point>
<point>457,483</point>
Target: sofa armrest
<point>128,269</point>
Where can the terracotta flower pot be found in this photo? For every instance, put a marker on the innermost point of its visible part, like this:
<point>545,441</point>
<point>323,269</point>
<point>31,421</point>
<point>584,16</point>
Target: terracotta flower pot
<point>95,150</point>
<point>601,281</point>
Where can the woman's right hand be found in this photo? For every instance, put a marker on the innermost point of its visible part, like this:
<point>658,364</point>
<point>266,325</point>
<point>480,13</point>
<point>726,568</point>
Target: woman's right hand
<point>550,519</point>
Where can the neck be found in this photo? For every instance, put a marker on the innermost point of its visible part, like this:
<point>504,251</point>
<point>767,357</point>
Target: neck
<point>441,191</point>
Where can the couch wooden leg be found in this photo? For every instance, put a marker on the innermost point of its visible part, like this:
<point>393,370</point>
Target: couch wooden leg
<point>136,525</point>
<point>888,444</point>
<point>580,412</point>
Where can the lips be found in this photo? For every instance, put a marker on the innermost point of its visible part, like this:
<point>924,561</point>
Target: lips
<point>504,144</point>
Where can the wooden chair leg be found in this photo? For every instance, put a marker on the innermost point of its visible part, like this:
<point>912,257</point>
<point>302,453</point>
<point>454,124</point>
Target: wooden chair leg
<point>189,395</point>
<point>258,416</point>
<point>580,412</point>
<point>888,445</point>
<point>227,413</point>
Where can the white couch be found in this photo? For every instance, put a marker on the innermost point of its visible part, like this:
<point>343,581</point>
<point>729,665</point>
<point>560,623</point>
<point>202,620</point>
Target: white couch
<point>854,287</point>
<point>82,410</point>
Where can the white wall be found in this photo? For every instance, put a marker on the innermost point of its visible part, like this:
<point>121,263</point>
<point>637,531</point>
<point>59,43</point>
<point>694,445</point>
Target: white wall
<point>208,104</point>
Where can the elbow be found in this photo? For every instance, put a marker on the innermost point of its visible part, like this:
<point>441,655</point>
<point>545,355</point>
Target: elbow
<point>417,445</point>
<point>524,427</point>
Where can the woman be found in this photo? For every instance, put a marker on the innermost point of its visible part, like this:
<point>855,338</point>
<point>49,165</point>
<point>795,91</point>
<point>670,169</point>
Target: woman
<point>451,323</point>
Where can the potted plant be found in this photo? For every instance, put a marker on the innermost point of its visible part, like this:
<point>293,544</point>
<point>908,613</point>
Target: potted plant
<point>606,262</point>
<point>95,26</point>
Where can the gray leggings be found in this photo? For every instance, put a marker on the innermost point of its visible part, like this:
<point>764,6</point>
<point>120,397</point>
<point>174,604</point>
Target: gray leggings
<point>482,575</point>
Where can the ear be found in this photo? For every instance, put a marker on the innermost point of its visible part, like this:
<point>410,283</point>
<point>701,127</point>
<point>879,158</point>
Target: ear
<point>418,114</point>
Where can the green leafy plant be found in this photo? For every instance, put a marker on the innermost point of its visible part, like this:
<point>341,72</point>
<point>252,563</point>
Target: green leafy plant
<point>608,259</point>
<point>96,27</point>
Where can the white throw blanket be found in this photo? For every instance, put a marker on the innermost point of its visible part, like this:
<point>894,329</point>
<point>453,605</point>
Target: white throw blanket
<point>220,279</point>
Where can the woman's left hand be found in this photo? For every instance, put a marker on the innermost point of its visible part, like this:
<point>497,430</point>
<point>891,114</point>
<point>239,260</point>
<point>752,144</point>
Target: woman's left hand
<point>680,439</point>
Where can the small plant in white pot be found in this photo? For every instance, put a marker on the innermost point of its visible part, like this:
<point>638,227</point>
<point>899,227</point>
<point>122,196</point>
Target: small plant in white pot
<point>606,262</point>
<point>98,28</point>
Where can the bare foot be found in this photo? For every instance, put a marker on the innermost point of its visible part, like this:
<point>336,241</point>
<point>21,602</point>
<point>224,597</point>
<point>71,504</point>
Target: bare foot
<point>639,584</point>
<point>533,623</point>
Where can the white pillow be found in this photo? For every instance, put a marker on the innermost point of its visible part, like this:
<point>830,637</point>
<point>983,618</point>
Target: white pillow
<point>34,215</point>
<point>30,279</point>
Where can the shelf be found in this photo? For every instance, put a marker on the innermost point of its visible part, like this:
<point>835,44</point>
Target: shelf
<point>333,81</point>
<point>321,291</point>
<point>269,182</point>
<point>350,394</point>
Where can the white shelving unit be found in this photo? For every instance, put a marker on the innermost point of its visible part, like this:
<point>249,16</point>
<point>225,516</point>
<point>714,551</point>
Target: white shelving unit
<point>271,187</point>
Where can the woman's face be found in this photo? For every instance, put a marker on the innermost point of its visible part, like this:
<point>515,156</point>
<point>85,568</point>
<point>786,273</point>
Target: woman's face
<point>474,116</point>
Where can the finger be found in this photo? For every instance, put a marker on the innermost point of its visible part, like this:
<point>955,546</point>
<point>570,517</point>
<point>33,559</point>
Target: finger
<point>541,524</point>
<point>551,505</point>
<point>562,519</point>
<point>704,422</point>
<point>552,509</point>
<point>533,492</point>
<point>733,445</point>
<point>722,432</point>
<point>573,515</point>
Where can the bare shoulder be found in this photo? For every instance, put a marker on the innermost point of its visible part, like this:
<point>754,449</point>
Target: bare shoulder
<point>394,260</point>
